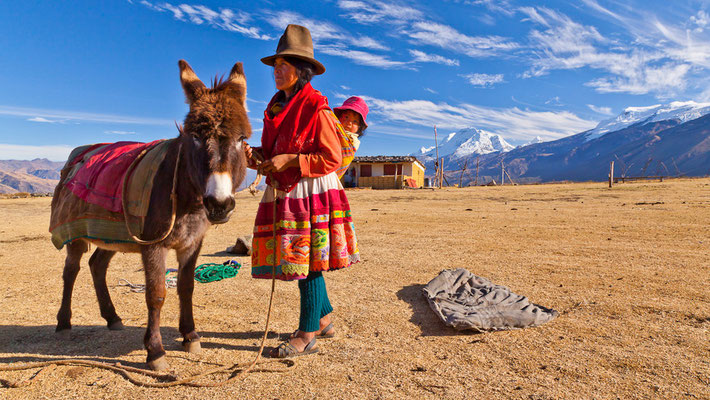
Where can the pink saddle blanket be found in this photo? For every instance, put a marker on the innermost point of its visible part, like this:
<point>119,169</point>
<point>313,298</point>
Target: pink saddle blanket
<point>99,180</point>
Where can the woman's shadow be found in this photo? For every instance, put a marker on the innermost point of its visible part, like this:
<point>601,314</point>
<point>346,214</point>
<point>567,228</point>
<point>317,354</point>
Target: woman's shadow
<point>422,314</point>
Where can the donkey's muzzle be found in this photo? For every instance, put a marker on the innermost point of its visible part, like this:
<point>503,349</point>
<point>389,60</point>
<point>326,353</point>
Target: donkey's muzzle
<point>218,211</point>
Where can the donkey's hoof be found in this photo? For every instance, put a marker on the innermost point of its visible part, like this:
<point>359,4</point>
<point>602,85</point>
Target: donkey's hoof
<point>116,325</point>
<point>64,334</point>
<point>192,347</point>
<point>159,364</point>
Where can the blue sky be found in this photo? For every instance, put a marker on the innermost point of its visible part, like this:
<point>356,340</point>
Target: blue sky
<point>84,72</point>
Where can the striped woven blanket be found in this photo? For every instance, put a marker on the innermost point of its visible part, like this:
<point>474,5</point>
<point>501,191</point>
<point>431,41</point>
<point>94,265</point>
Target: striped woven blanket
<point>90,203</point>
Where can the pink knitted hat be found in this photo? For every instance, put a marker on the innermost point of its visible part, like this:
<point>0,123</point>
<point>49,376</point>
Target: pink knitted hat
<point>356,104</point>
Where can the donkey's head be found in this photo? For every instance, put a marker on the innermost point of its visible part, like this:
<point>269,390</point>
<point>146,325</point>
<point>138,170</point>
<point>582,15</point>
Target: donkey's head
<point>212,137</point>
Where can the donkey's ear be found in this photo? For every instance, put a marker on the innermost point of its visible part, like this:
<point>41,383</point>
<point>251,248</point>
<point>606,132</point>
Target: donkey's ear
<point>191,84</point>
<point>237,83</point>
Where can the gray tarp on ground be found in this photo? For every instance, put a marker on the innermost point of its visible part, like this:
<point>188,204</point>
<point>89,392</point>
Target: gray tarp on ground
<point>466,301</point>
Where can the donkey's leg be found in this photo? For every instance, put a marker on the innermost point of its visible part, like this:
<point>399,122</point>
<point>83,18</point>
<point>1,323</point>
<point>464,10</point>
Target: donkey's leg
<point>98,263</point>
<point>154,265</point>
<point>71,268</point>
<point>187,259</point>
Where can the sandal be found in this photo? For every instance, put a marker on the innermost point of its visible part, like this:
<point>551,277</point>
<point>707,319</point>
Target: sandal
<point>326,333</point>
<point>287,350</point>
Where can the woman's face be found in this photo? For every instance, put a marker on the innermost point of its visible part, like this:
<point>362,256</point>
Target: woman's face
<point>285,75</point>
<point>350,120</point>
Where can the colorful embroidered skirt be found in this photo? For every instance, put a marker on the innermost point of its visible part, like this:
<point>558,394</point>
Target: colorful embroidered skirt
<point>314,230</point>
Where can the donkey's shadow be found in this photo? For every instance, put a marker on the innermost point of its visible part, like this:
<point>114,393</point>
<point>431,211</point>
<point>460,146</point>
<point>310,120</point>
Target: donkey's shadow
<point>26,343</point>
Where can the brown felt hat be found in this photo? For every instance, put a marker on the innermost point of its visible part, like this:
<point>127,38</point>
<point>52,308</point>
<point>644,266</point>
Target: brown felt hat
<point>295,42</point>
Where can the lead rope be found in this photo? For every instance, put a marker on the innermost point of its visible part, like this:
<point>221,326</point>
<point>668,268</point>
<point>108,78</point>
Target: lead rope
<point>189,381</point>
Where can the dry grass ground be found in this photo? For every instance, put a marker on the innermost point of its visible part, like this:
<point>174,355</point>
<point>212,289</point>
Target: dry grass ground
<point>628,269</point>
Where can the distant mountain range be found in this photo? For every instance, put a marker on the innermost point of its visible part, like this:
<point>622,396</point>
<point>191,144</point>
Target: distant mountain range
<point>36,176</point>
<point>666,139</point>
<point>669,140</point>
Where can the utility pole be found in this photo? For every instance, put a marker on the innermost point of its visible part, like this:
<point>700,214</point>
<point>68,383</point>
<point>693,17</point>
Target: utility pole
<point>611,173</point>
<point>462,171</point>
<point>477,170</point>
<point>436,163</point>
<point>502,172</point>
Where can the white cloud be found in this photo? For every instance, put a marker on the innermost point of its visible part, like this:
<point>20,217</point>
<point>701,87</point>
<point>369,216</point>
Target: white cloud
<point>701,21</point>
<point>446,37</point>
<point>555,101</point>
<point>332,40</point>
<point>120,132</point>
<point>368,43</point>
<point>431,90</point>
<point>42,119</point>
<point>322,32</point>
<point>593,4</point>
<point>363,57</point>
<point>344,87</point>
<point>486,19</point>
<point>705,95</point>
<point>483,80</point>
<point>600,110</point>
<point>372,12</point>
<point>225,19</point>
<point>635,68</point>
<point>500,6</point>
<point>683,46</point>
<point>667,78</point>
<point>79,116</point>
<point>26,152</point>
<point>512,123</point>
<point>420,56</point>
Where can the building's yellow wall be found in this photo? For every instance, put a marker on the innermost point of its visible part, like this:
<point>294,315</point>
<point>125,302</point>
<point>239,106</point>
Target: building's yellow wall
<point>381,182</point>
<point>377,181</point>
<point>418,174</point>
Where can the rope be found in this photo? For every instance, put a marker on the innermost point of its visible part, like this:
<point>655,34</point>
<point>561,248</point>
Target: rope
<point>204,273</point>
<point>170,282</point>
<point>170,380</point>
<point>212,272</point>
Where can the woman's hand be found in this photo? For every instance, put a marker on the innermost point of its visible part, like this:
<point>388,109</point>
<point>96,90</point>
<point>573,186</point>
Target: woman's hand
<point>252,162</point>
<point>279,163</point>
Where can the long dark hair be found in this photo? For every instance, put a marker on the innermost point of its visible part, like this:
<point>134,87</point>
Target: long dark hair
<point>305,72</point>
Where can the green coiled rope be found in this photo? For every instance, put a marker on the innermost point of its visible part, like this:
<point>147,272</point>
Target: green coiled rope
<point>212,272</point>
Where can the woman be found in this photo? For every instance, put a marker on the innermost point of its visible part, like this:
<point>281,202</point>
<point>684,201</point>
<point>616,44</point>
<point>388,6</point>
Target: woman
<point>302,151</point>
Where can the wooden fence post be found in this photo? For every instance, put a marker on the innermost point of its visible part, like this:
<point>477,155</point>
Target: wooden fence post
<point>611,173</point>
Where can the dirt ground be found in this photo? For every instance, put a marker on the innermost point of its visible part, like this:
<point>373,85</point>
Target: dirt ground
<point>628,269</point>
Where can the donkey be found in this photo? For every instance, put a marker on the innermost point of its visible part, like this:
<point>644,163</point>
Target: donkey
<point>211,165</point>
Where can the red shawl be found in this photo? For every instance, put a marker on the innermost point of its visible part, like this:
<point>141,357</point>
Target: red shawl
<point>292,131</point>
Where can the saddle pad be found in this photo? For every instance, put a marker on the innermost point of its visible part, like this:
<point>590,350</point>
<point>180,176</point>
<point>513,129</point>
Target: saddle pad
<point>140,182</point>
<point>97,173</point>
<point>74,218</point>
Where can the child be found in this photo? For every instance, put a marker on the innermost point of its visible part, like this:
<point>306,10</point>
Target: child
<point>352,115</point>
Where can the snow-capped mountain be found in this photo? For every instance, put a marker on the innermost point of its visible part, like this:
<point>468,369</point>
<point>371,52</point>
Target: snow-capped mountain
<point>680,111</point>
<point>466,142</point>
<point>652,141</point>
<point>535,140</point>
